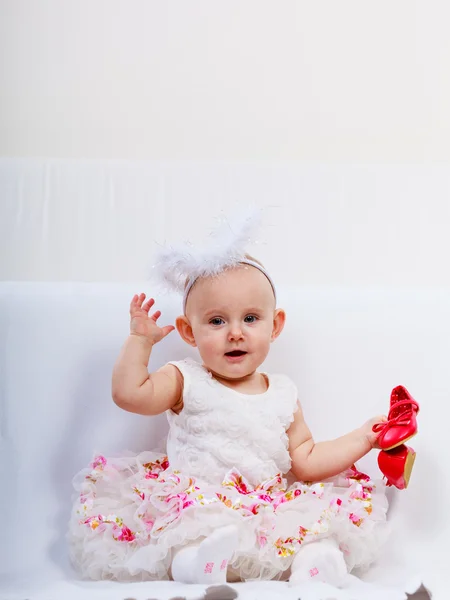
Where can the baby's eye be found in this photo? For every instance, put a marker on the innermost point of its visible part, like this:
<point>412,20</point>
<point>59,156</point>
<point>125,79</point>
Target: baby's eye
<point>216,321</point>
<point>250,319</point>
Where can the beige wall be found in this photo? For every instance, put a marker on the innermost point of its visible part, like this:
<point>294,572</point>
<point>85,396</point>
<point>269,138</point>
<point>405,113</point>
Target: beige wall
<point>242,79</point>
<point>143,119</point>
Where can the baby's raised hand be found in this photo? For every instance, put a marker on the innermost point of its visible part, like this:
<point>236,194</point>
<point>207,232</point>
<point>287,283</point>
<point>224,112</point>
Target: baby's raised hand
<point>144,325</point>
<point>371,435</point>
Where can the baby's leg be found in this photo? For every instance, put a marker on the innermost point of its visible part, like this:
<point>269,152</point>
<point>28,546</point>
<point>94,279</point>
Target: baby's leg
<point>319,561</point>
<point>206,562</point>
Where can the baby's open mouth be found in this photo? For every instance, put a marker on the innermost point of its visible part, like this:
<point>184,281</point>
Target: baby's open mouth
<point>235,353</point>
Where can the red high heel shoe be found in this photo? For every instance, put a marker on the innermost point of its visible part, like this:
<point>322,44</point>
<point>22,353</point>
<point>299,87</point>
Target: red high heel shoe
<point>396,465</point>
<point>401,425</point>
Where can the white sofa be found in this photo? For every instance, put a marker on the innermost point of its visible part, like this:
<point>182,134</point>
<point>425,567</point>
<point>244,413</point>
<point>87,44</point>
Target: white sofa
<point>345,348</point>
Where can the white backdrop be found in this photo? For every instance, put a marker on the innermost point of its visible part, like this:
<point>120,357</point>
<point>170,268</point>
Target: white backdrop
<point>340,225</point>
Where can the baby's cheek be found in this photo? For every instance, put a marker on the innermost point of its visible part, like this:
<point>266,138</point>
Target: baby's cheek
<point>263,338</point>
<point>209,342</point>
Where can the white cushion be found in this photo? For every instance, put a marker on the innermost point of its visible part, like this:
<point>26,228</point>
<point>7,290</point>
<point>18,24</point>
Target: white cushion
<point>345,349</point>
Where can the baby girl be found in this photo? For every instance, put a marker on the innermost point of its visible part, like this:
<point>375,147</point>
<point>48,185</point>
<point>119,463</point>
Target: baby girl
<point>243,491</point>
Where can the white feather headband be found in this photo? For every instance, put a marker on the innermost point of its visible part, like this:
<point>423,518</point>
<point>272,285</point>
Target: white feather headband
<point>226,248</point>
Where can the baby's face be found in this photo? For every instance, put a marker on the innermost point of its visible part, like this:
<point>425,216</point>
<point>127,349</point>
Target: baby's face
<point>232,320</point>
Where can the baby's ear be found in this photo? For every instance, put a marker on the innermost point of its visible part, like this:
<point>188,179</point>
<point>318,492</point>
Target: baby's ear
<point>279,319</point>
<point>184,328</point>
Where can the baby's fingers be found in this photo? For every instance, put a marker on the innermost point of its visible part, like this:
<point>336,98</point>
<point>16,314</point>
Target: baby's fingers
<point>136,301</point>
<point>133,303</point>
<point>381,419</point>
<point>155,316</point>
<point>167,329</point>
<point>147,306</point>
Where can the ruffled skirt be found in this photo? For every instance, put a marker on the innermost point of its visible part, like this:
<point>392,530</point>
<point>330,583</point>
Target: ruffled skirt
<point>131,513</point>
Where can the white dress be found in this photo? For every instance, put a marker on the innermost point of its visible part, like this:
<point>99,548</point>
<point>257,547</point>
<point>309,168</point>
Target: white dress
<point>227,458</point>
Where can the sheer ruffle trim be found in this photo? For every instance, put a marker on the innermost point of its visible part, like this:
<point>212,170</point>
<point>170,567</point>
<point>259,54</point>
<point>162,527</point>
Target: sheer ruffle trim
<point>132,512</point>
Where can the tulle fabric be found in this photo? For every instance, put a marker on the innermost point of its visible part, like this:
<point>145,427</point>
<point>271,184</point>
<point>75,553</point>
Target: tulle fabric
<point>132,513</point>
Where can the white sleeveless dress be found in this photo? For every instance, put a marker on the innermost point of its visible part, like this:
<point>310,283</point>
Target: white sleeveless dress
<point>227,457</point>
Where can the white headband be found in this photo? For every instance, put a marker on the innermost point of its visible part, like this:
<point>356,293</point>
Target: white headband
<point>244,261</point>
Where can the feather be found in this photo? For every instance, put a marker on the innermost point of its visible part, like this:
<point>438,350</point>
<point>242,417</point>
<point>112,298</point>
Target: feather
<point>224,248</point>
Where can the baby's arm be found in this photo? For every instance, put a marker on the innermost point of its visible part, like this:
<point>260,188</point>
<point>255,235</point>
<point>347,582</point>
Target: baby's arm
<point>133,388</point>
<point>315,462</point>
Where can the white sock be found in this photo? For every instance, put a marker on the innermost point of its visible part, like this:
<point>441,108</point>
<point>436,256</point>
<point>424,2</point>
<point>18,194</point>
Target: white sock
<point>319,561</point>
<point>206,562</point>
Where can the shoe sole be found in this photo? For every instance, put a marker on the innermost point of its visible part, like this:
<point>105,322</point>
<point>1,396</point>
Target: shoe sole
<point>409,463</point>
<point>399,443</point>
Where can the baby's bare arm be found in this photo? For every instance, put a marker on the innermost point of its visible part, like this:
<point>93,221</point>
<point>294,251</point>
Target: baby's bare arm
<point>315,462</point>
<point>133,388</point>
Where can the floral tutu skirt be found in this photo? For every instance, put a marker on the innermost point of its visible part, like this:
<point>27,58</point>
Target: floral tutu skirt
<point>132,512</point>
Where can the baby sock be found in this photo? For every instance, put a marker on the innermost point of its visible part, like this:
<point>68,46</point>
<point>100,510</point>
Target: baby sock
<point>319,561</point>
<point>206,562</point>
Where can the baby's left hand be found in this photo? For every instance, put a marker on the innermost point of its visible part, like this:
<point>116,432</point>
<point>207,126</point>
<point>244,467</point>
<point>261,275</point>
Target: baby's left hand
<point>370,435</point>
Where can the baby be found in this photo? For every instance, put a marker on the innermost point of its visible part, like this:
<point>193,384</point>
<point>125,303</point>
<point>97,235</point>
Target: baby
<point>218,506</point>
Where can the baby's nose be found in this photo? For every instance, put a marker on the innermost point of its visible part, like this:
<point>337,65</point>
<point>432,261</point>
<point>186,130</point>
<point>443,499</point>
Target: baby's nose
<point>235,333</point>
